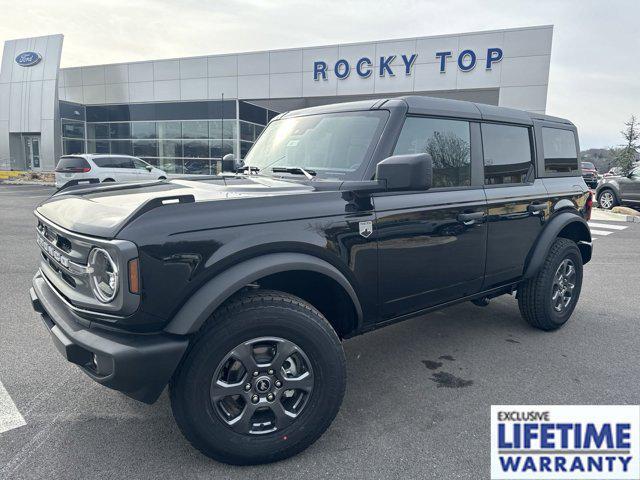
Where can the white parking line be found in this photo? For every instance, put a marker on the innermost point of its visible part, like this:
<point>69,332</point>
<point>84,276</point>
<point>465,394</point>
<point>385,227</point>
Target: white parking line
<point>10,416</point>
<point>600,232</point>
<point>606,225</point>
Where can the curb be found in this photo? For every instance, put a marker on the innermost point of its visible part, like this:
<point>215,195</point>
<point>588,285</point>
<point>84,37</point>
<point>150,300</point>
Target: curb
<point>14,182</point>
<point>619,217</point>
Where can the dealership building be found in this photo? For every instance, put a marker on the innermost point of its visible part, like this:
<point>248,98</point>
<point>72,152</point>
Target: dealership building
<point>184,114</point>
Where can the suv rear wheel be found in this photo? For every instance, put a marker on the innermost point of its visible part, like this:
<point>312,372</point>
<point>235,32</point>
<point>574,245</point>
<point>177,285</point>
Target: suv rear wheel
<point>607,199</point>
<point>263,379</point>
<point>547,300</point>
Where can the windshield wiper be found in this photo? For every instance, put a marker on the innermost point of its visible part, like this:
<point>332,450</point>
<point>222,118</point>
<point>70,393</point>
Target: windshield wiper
<point>296,171</point>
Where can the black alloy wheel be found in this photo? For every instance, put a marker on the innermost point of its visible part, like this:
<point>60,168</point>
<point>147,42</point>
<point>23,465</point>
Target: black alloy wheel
<point>564,283</point>
<point>262,379</point>
<point>262,385</point>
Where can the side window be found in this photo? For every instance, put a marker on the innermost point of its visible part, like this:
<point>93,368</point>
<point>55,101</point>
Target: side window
<point>122,162</point>
<point>560,151</point>
<point>139,164</point>
<point>448,143</point>
<point>507,154</point>
<point>103,162</point>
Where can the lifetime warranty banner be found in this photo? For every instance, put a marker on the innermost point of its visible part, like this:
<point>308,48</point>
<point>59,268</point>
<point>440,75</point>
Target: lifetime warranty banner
<point>565,442</point>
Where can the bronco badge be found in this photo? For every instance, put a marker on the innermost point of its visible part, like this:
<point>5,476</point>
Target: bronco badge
<point>366,228</point>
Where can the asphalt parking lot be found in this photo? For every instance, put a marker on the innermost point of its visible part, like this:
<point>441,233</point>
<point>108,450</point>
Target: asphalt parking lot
<point>418,396</point>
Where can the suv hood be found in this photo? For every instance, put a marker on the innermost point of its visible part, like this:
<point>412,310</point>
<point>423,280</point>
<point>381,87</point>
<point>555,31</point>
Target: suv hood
<point>103,210</point>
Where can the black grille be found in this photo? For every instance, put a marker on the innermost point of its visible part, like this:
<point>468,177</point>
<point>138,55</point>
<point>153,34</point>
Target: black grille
<point>63,244</point>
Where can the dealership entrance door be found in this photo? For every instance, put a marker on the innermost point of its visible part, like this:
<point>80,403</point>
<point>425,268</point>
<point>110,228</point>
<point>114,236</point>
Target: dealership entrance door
<point>32,151</point>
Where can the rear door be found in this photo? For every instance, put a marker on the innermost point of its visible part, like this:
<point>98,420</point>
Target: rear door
<point>432,244</point>
<point>630,186</point>
<point>517,201</point>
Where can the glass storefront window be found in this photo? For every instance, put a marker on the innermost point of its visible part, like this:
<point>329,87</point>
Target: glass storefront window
<point>145,148</point>
<point>196,166</point>
<point>219,149</point>
<point>247,131</point>
<point>170,148</point>
<point>72,111</point>
<point>143,130</point>
<point>152,161</point>
<point>177,146</point>
<point>169,130</point>
<point>72,129</point>
<point>120,130</point>
<point>195,148</point>
<point>195,129</point>
<point>98,146</point>
<point>222,129</point>
<point>97,131</point>
<point>171,165</point>
<point>71,147</point>
<point>122,147</point>
<point>244,148</point>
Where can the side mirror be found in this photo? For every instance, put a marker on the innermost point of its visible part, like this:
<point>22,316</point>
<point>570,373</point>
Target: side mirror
<point>406,172</point>
<point>230,164</point>
<point>149,167</point>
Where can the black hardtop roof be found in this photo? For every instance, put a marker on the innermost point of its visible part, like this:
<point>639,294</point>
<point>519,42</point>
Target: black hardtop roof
<point>424,105</point>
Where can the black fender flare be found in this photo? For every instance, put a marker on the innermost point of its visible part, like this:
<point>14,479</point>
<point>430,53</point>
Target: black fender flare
<point>550,233</point>
<point>216,291</point>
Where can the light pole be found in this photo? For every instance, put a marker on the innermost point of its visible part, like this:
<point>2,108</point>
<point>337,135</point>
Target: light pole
<point>222,130</point>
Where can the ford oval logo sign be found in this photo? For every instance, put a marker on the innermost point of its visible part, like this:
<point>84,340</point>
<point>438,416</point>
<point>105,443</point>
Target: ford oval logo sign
<point>28,59</point>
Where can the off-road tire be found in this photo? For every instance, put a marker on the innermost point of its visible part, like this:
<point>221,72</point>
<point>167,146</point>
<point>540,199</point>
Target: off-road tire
<point>535,294</point>
<point>261,313</point>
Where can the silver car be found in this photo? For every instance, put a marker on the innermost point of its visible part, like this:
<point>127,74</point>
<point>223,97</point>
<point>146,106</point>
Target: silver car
<point>106,168</point>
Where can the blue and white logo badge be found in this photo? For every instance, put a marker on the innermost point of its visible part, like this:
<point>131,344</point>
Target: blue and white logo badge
<point>565,442</point>
<point>28,59</point>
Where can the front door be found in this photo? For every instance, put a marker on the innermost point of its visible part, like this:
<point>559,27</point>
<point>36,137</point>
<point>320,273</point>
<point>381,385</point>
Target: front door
<point>124,170</point>
<point>141,170</point>
<point>432,244</point>
<point>32,151</point>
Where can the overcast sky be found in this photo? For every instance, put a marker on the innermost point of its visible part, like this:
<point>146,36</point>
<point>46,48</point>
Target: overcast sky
<point>595,60</point>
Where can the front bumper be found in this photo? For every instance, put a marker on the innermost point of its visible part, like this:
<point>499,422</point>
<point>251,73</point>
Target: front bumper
<point>137,365</point>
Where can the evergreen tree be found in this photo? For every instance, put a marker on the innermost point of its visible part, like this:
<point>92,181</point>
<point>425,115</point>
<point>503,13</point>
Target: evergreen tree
<point>629,151</point>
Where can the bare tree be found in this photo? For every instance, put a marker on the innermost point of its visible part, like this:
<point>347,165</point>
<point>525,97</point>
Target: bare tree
<point>449,152</point>
<point>629,151</point>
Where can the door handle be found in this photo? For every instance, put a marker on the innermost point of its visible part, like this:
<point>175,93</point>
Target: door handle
<point>470,218</point>
<point>537,207</point>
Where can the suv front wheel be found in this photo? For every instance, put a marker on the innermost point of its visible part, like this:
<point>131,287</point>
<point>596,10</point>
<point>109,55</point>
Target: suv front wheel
<point>548,299</point>
<point>262,380</point>
<point>607,199</point>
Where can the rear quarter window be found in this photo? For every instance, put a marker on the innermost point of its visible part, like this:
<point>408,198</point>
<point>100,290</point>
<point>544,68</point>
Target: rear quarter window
<point>72,164</point>
<point>560,150</point>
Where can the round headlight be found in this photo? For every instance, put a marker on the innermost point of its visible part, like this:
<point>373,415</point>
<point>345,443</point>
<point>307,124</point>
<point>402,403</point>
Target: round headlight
<point>103,275</point>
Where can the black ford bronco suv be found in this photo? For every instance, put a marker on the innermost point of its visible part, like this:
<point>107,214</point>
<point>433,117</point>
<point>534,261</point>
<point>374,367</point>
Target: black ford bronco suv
<point>236,290</point>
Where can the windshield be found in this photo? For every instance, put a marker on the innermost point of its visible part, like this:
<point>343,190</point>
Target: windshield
<point>333,145</point>
<point>588,165</point>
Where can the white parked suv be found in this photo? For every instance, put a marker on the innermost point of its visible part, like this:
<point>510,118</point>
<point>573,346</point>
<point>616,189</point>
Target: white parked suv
<point>106,168</point>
